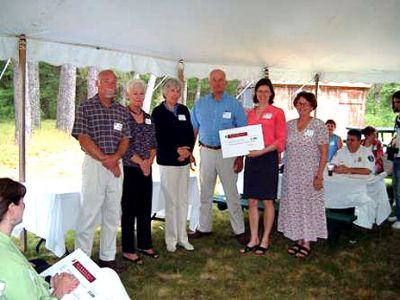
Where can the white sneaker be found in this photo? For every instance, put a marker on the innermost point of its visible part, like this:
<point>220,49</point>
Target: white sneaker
<point>396,225</point>
<point>392,219</point>
<point>187,246</point>
<point>171,248</point>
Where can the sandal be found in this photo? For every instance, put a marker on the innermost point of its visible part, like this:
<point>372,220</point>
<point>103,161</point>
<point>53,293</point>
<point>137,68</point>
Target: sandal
<point>303,252</point>
<point>294,249</point>
<point>260,250</point>
<point>137,260</point>
<point>248,249</point>
<point>150,253</point>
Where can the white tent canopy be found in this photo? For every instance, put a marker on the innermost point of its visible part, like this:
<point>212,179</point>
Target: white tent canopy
<point>343,40</point>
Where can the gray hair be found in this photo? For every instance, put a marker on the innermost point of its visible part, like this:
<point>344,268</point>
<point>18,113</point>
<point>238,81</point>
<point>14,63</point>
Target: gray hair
<point>134,83</point>
<point>216,71</point>
<point>171,83</point>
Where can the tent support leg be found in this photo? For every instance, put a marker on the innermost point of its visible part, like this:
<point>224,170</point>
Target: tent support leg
<point>316,79</point>
<point>21,121</point>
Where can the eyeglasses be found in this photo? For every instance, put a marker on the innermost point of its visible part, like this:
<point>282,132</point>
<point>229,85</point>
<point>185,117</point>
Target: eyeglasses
<point>302,104</point>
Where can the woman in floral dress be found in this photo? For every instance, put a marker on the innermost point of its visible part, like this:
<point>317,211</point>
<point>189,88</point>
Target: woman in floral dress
<point>302,209</point>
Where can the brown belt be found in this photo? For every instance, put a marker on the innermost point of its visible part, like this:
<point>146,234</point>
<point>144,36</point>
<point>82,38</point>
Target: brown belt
<point>210,147</point>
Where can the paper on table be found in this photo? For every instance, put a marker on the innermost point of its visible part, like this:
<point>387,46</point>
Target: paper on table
<point>241,140</point>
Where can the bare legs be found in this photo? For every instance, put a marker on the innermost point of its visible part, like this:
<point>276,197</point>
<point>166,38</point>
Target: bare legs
<point>268,219</point>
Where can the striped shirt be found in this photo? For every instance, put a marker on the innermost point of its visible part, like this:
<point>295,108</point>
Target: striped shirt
<point>106,126</point>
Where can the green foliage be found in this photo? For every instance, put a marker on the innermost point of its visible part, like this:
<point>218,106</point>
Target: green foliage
<point>81,85</point>
<point>6,92</point>
<point>378,106</point>
<point>379,111</point>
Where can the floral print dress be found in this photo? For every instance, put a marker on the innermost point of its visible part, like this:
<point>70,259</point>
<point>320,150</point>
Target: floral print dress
<point>302,208</point>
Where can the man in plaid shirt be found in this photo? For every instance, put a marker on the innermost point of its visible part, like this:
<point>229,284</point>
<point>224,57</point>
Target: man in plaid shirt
<point>101,127</point>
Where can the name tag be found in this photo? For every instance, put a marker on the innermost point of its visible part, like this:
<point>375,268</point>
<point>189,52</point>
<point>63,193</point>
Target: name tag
<point>117,126</point>
<point>267,116</point>
<point>181,117</point>
<point>309,132</point>
<point>147,121</point>
<point>227,115</point>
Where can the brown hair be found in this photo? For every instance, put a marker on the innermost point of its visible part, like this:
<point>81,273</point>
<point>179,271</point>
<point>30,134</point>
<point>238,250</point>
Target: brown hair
<point>397,96</point>
<point>330,121</point>
<point>267,82</point>
<point>10,192</point>
<point>367,131</point>
<point>310,97</point>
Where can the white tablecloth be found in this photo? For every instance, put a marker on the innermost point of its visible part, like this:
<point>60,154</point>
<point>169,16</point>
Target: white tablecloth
<point>367,193</point>
<point>52,208</point>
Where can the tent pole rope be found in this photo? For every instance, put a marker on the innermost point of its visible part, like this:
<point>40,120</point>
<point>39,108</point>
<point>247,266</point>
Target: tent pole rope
<point>161,82</point>
<point>245,88</point>
<point>5,68</point>
<point>21,120</point>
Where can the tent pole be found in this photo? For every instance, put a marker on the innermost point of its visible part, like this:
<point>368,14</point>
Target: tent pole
<point>181,77</point>
<point>21,120</point>
<point>266,72</point>
<point>316,79</point>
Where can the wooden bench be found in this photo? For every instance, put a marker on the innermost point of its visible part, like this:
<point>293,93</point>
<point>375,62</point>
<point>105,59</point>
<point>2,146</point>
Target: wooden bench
<point>337,219</point>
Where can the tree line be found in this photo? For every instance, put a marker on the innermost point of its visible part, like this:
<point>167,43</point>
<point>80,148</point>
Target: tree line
<point>54,92</point>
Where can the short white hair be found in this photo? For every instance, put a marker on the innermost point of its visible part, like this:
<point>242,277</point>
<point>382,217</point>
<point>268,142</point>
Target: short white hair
<point>134,83</point>
<point>171,83</point>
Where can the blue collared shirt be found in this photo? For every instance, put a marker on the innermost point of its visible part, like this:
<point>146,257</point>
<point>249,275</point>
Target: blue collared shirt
<point>210,115</point>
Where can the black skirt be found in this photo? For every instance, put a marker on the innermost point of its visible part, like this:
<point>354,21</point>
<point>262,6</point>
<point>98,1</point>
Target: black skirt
<point>261,175</point>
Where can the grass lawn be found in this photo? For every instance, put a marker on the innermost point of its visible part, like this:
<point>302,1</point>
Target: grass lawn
<point>368,269</point>
<point>49,153</point>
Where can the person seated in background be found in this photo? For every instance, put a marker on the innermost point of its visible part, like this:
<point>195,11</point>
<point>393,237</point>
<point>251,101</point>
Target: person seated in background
<point>22,281</point>
<point>355,158</point>
<point>374,145</point>
<point>335,141</point>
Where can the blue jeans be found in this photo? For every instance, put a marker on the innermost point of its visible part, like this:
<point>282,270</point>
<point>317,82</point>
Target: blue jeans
<point>396,185</point>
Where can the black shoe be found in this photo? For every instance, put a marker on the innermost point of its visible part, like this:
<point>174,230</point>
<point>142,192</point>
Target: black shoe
<point>110,264</point>
<point>198,234</point>
<point>242,238</point>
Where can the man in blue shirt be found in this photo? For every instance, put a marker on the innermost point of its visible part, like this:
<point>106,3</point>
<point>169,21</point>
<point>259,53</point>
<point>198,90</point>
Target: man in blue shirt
<point>211,113</point>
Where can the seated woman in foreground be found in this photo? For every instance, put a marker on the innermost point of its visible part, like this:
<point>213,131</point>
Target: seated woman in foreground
<point>22,281</point>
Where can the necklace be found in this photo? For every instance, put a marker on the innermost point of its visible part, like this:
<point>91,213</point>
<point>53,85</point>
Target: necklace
<point>134,112</point>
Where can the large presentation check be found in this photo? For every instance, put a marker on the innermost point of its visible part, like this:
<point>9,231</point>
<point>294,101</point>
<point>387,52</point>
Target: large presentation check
<point>93,284</point>
<point>241,140</point>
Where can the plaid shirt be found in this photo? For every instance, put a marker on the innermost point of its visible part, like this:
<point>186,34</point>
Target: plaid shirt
<point>106,126</point>
<point>144,140</point>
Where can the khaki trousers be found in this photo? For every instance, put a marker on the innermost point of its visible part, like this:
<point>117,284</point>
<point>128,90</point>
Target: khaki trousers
<point>211,165</point>
<point>174,189</point>
<point>101,196</point>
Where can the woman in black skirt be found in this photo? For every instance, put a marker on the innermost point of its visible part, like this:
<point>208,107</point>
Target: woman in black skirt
<point>261,167</point>
<point>138,184</point>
